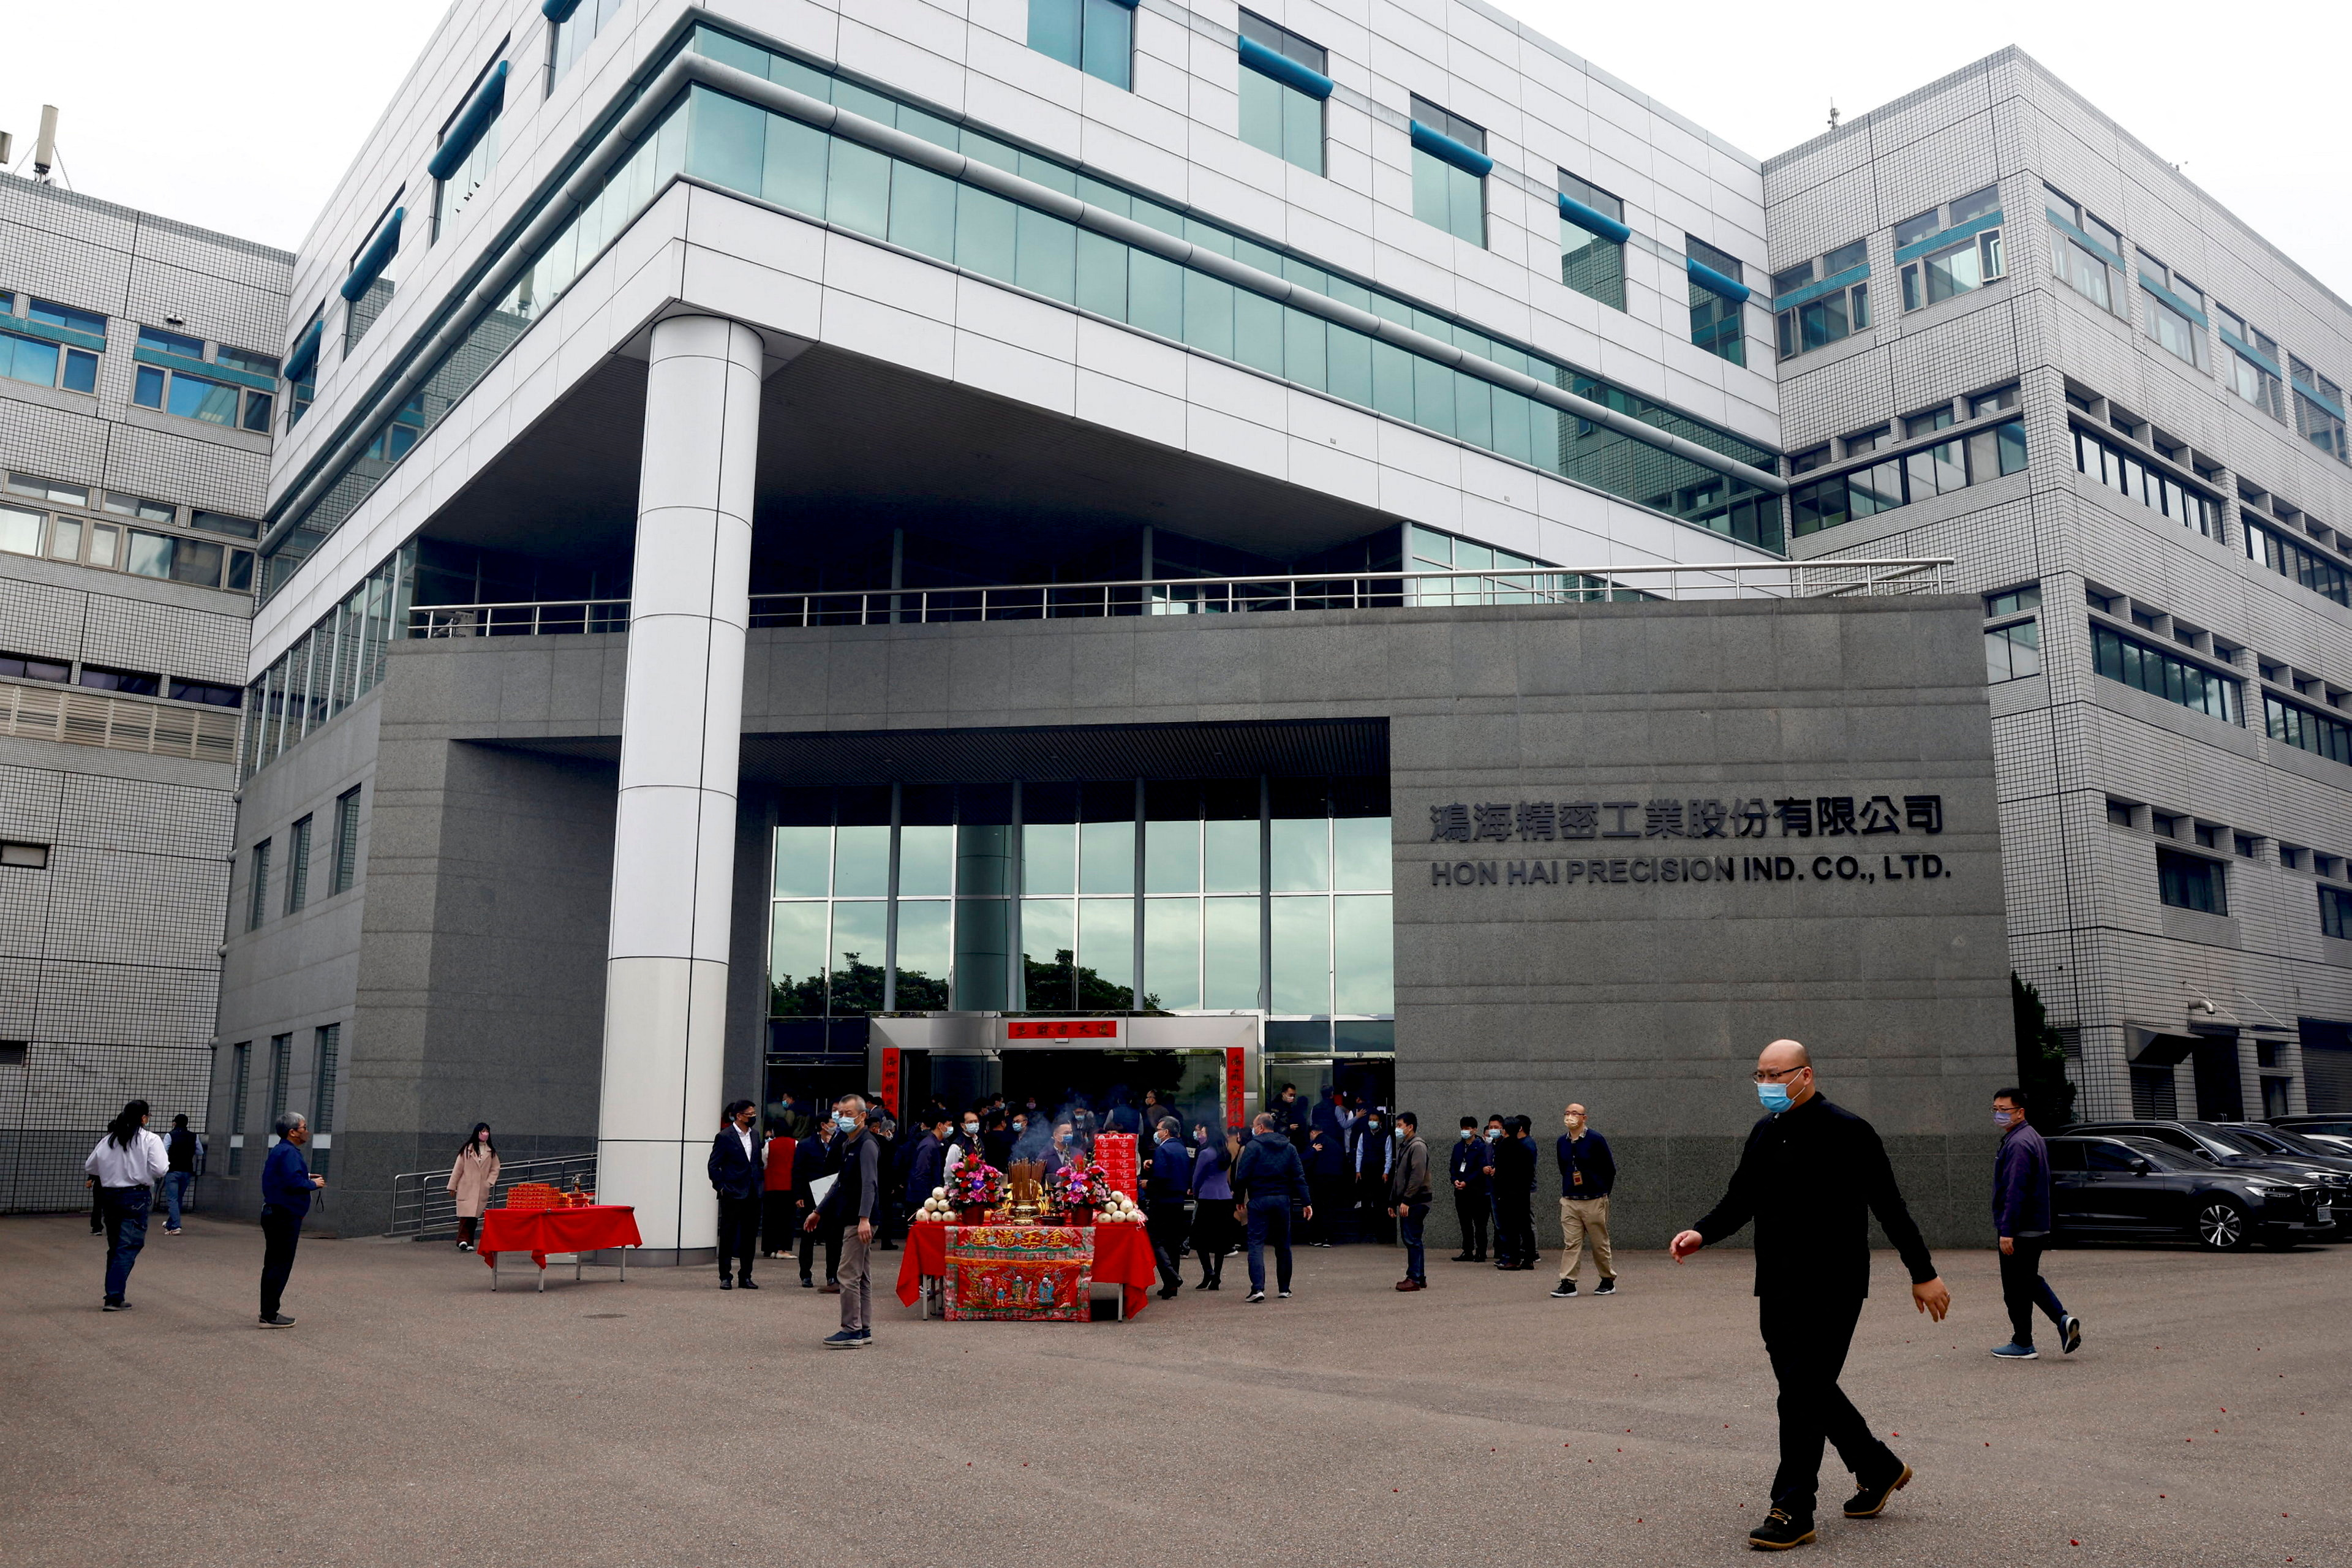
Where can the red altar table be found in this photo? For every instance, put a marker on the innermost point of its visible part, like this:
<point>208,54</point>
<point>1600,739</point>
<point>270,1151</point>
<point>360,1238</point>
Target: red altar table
<point>1026,1272</point>
<point>590,1228</point>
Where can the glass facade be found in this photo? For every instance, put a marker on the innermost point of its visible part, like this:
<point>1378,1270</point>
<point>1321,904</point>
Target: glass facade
<point>784,161</point>
<point>1276,116</point>
<point>1216,895</point>
<point>1914,475</point>
<point>337,662</point>
<point>1097,37</point>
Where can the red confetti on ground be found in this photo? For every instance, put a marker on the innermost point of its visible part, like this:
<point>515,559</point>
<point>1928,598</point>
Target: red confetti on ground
<point>2072,1543</point>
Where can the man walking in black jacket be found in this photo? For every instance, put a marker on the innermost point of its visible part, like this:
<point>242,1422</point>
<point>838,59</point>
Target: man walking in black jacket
<point>1810,1177</point>
<point>2021,1217</point>
<point>1269,1181</point>
<point>735,1174</point>
<point>1514,1175</point>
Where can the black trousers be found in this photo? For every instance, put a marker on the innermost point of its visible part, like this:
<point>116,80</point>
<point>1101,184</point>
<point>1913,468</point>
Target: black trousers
<point>1371,1197</point>
<point>1472,1210</point>
<point>831,1236</point>
<point>1165,1225</point>
<point>2022,1289</point>
<point>466,1225</point>
<point>1515,1229</point>
<point>777,1221</point>
<point>1808,1338</point>
<point>739,1233</point>
<point>1212,1236</point>
<point>280,1234</point>
<point>1333,1198</point>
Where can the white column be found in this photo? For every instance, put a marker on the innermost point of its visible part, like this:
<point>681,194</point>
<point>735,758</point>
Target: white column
<point>681,738</point>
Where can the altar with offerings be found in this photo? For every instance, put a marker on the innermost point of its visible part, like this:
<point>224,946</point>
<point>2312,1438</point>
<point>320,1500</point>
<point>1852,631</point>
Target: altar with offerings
<point>1026,1246</point>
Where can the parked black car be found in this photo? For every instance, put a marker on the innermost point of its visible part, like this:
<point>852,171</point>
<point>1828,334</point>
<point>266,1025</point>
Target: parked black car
<point>2111,1188</point>
<point>2237,1149</point>
<point>2335,1127</point>
<point>2287,1146</point>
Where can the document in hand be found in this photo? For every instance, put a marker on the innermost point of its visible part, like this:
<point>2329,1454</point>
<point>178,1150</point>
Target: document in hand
<point>820,1187</point>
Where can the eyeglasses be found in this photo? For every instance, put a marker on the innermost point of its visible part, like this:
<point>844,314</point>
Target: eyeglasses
<point>1767,1075</point>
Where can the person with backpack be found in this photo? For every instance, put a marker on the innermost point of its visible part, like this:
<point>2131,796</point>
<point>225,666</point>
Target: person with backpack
<point>1269,1181</point>
<point>186,1152</point>
<point>124,1167</point>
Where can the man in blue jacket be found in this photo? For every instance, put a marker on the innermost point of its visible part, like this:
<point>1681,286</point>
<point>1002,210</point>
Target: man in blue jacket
<point>287,1184</point>
<point>1587,1173</point>
<point>1473,1204</point>
<point>1169,1184</point>
<point>1269,1181</point>
<point>2021,1217</point>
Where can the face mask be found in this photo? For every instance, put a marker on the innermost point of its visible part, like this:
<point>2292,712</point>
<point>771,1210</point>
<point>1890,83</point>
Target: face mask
<point>2000,1119</point>
<point>1468,1132</point>
<point>1376,1127</point>
<point>1775,1096</point>
<point>845,1123</point>
<point>1493,1134</point>
<point>970,1128</point>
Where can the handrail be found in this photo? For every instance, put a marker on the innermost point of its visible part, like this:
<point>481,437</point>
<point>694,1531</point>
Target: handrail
<point>422,1205</point>
<point>1833,577</point>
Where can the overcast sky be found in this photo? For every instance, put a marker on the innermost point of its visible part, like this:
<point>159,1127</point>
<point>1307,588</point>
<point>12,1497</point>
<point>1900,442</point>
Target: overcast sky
<point>242,114</point>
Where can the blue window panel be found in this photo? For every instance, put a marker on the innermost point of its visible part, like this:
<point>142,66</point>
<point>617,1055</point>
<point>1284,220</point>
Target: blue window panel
<point>28,358</point>
<point>793,173</point>
<point>923,211</point>
<point>147,387</point>
<point>1045,255</point>
<point>1053,27</point>
<point>1285,69</point>
<point>1257,332</point>
<point>1593,221</point>
<point>305,357</point>
<point>1715,282</point>
<point>178,343</point>
<point>1447,149</point>
<point>1974,227</point>
<point>1102,276</point>
<point>1106,51</point>
<point>81,371</point>
<point>468,128</point>
<point>375,258</point>
<point>196,397</point>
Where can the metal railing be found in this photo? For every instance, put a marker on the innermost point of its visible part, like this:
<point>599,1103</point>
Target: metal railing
<point>422,1205</point>
<point>41,711</point>
<point>1828,578</point>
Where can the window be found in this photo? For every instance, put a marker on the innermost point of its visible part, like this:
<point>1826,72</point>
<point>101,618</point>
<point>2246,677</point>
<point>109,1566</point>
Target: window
<point>468,148</point>
<point>2323,575</point>
<point>2192,882</point>
<point>1284,82</point>
<point>2085,254</point>
<point>297,867</point>
<point>2253,372</point>
<point>2176,310</point>
<point>1717,294</point>
<point>49,314</point>
<point>366,290</point>
<point>1592,235</point>
<point>2014,602</point>
<point>140,507</point>
<point>24,856</point>
<point>2119,813</point>
<point>1951,249</point>
<point>2246,846</point>
<point>164,382</point>
<point>2308,731</point>
<point>1916,476</point>
<point>24,667</point>
<point>347,841</point>
<point>129,682</point>
<point>241,1082</point>
<point>1805,462</point>
<point>1985,402</point>
<point>2164,825</point>
<point>2335,913</point>
<point>256,903</point>
<point>1449,172</point>
<point>1927,424</point>
<point>1822,301</point>
<point>198,562</point>
<point>325,1045</point>
<point>207,693</point>
<point>302,368</point>
<point>2318,410</point>
<point>2013,651</point>
<point>2129,474</point>
<point>1097,37</point>
<point>2160,674</point>
<point>42,362</point>
<point>576,28</point>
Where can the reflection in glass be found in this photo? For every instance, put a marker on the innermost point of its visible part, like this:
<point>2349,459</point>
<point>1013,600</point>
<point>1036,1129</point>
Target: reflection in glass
<point>1172,951</point>
<point>861,862</point>
<point>1363,954</point>
<point>1360,853</point>
<point>923,961</point>
<point>796,960</point>
<point>1107,940</point>
<point>980,953</point>
<point>983,859</point>
<point>1171,857</point>
<point>1049,859</point>
<point>1233,855</point>
<point>1106,859</point>
<point>924,857</point>
<point>1302,955</point>
<point>1302,856</point>
<point>1229,946</point>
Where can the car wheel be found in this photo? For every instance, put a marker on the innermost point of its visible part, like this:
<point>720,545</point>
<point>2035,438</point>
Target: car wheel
<point>2221,1225</point>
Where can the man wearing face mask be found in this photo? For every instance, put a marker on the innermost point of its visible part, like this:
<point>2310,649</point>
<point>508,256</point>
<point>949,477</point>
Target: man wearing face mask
<point>1812,1176</point>
<point>1472,1207</point>
<point>1494,1142</point>
<point>1587,1173</point>
<point>1165,1219</point>
<point>2021,1217</point>
<point>1515,1197</point>
<point>854,1206</point>
<point>1373,1154</point>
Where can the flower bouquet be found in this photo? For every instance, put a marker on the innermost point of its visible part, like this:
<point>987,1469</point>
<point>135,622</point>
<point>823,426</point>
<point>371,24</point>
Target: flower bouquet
<point>976,1187</point>
<point>1078,1189</point>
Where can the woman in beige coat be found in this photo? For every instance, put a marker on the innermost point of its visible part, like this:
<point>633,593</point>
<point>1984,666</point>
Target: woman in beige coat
<point>471,1179</point>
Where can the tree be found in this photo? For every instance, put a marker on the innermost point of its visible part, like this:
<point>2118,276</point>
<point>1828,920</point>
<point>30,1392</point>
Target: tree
<point>2041,1059</point>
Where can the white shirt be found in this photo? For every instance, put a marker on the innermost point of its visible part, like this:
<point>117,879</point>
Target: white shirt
<point>141,1164</point>
<point>751,1151</point>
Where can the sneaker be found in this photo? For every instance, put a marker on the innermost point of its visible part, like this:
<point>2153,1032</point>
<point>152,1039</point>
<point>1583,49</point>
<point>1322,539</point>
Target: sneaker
<point>277,1321</point>
<point>2015,1351</point>
<point>1257,1296</point>
<point>864,1338</point>
<point>1564,1288</point>
<point>1871,1500</point>
<point>1606,1287</point>
<point>1284,1294</point>
<point>114,1307</point>
<point>1779,1532</point>
<point>845,1339</point>
<point>171,1230</point>
<point>2070,1334</point>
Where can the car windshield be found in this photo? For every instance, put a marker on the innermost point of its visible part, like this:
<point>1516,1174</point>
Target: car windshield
<point>2163,1156</point>
<point>2233,1140</point>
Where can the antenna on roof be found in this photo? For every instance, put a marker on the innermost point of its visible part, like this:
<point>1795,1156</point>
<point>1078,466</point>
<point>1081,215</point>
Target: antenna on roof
<point>1833,114</point>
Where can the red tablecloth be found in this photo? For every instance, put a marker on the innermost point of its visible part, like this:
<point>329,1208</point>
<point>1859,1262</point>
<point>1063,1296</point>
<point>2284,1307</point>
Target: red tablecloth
<point>542,1231</point>
<point>1121,1255</point>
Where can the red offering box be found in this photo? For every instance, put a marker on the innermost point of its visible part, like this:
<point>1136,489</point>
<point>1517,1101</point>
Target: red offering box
<point>1115,1153</point>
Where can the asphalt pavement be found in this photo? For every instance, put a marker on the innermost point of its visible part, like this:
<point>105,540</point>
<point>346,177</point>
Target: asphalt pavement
<point>414,1417</point>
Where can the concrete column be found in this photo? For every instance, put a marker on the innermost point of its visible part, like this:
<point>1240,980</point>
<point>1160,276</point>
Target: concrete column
<point>681,740</point>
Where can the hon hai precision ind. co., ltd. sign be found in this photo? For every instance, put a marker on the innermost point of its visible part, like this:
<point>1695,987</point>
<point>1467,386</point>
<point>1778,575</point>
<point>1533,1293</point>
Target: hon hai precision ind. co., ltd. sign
<point>1651,840</point>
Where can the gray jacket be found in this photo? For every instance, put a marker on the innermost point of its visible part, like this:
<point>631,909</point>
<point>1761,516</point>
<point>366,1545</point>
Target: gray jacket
<point>1409,1179</point>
